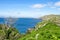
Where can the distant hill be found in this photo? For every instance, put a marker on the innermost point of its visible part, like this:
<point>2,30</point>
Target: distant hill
<point>48,17</point>
<point>54,18</point>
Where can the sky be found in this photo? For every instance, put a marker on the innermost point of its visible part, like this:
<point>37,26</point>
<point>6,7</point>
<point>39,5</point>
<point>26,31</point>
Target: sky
<point>29,8</point>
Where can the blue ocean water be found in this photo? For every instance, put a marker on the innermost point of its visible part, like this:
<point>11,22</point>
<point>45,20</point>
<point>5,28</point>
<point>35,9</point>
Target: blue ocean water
<point>22,24</point>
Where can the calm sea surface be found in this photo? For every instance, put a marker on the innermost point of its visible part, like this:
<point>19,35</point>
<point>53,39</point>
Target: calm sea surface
<point>22,24</point>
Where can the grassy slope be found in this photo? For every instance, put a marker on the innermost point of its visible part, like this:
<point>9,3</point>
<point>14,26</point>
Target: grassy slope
<point>49,32</point>
<point>8,33</point>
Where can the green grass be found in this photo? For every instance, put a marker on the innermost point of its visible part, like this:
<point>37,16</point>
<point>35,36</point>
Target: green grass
<point>50,31</point>
<point>8,33</point>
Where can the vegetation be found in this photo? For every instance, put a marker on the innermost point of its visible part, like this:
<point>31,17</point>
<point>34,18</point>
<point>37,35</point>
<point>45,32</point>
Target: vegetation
<point>48,29</point>
<point>8,33</point>
<point>53,18</point>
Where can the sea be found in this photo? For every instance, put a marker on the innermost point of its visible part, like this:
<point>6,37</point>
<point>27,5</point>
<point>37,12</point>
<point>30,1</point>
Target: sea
<point>23,24</point>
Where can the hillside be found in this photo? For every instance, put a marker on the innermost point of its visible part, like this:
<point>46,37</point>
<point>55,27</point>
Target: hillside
<point>49,17</point>
<point>54,18</point>
<point>8,33</point>
<point>48,29</point>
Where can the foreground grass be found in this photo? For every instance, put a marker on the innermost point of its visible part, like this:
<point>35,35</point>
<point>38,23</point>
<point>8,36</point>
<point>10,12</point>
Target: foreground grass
<point>50,31</point>
<point>8,33</point>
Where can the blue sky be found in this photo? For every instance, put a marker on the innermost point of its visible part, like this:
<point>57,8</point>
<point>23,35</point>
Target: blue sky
<point>29,8</point>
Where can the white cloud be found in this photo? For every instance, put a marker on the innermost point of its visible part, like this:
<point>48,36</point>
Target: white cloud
<point>53,5</point>
<point>49,4</point>
<point>38,5</point>
<point>57,3</point>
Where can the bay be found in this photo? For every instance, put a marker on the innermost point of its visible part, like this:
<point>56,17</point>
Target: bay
<point>22,24</point>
